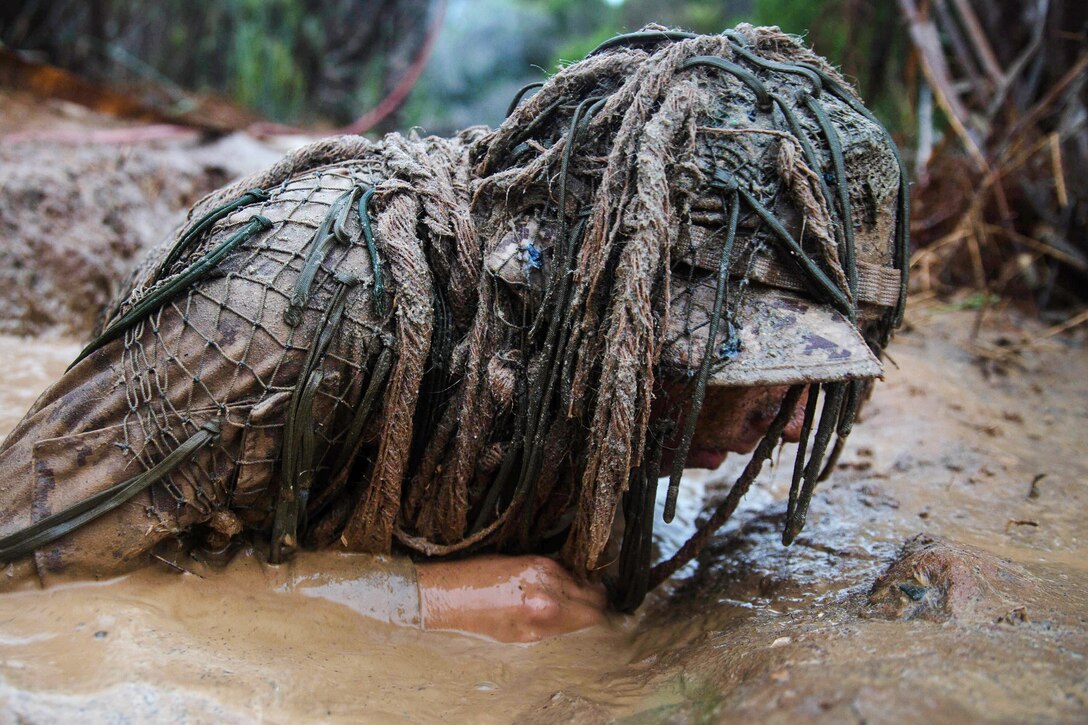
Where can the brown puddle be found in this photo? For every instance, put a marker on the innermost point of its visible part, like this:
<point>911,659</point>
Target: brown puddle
<point>236,646</point>
<point>254,641</point>
<point>29,366</point>
<point>756,630</point>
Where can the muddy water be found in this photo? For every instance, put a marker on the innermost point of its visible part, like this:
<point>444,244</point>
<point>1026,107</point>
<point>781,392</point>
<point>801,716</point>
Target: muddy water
<point>309,640</point>
<point>29,366</point>
<point>947,449</point>
<point>243,644</point>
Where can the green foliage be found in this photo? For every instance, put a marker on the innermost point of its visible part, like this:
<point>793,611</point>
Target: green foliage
<point>800,17</point>
<point>703,16</point>
<point>855,35</point>
<point>301,62</point>
<point>577,48</point>
<point>262,66</point>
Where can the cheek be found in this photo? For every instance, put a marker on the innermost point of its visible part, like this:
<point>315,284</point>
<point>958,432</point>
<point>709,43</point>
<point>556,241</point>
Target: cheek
<point>735,420</point>
<point>739,423</point>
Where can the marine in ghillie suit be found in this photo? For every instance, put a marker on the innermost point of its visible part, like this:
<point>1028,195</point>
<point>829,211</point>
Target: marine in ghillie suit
<point>495,342</point>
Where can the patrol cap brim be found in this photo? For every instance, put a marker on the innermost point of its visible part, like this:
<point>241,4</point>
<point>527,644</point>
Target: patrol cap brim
<point>777,337</point>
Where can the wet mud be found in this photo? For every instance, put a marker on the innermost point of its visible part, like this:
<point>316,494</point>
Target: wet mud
<point>74,216</point>
<point>935,580</point>
<point>938,578</point>
<point>942,574</point>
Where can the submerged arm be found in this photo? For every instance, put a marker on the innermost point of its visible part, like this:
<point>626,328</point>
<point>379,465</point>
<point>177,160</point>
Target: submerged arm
<point>505,598</point>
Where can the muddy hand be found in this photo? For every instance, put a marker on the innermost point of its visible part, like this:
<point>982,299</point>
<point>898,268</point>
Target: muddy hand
<point>507,598</point>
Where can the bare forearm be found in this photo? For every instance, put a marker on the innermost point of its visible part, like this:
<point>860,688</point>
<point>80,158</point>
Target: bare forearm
<point>507,598</point>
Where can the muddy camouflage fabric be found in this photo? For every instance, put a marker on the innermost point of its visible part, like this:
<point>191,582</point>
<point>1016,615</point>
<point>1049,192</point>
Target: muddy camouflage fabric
<point>444,345</point>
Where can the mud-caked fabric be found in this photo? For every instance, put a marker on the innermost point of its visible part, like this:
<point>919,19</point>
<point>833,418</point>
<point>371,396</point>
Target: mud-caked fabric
<point>450,345</point>
<point>219,352</point>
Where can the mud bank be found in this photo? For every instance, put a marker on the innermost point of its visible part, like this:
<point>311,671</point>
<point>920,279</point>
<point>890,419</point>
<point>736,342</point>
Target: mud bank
<point>935,581</point>
<point>74,215</point>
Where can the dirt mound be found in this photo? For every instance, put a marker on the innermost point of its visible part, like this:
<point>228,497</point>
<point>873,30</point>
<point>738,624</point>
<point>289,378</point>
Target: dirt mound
<point>940,580</point>
<point>74,217</point>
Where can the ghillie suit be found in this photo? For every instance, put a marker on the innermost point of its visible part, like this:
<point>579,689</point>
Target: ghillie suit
<point>452,345</point>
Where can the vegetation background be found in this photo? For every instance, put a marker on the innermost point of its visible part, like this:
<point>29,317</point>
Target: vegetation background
<point>987,98</point>
<point>293,62</point>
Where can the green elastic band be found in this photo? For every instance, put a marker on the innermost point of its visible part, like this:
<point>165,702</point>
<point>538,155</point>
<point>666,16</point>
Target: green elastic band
<point>53,527</point>
<point>298,452</point>
<point>643,37</point>
<point>521,94</point>
<point>816,275</point>
<point>738,42</point>
<point>763,98</point>
<point>378,290</point>
<point>204,224</point>
<point>333,229</point>
<point>173,288</point>
<point>720,295</point>
<point>838,162</point>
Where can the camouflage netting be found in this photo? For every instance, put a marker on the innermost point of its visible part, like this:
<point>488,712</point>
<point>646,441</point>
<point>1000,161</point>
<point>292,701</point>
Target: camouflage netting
<point>454,344</point>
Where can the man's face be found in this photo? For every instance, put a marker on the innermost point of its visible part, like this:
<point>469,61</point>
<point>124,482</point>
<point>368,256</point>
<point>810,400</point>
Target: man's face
<point>732,420</point>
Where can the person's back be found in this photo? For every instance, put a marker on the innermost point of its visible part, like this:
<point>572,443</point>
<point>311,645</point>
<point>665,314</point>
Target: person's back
<point>480,344</point>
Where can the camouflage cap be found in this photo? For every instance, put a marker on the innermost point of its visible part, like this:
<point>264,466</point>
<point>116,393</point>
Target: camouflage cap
<point>838,205</point>
<point>777,337</point>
